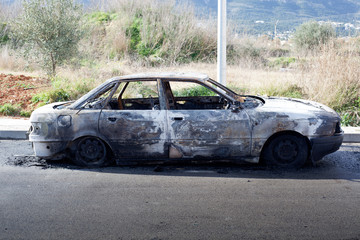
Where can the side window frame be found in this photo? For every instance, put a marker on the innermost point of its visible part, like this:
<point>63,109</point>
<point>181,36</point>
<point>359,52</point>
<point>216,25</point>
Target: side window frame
<point>168,87</point>
<point>152,81</point>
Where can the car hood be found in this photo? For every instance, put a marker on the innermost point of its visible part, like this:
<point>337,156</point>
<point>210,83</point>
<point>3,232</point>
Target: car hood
<point>296,106</point>
<point>287,114</point>
<point>48,113</point>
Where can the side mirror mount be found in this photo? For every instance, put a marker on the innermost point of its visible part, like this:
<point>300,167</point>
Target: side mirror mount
<point>236,106</point>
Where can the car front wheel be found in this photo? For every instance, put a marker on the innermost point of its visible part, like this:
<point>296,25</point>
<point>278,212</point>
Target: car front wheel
<point>287,151</point>
<point>90,152</point>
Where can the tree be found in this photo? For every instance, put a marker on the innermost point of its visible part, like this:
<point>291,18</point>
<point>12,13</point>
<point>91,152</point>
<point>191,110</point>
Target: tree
<point>312,34</point>
<point>48,30</point>
<point>4,33</point>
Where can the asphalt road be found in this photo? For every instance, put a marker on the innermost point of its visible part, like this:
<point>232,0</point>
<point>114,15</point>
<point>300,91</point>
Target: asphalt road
<point>57,200</point>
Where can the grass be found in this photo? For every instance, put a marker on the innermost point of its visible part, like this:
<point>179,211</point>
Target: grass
<point>194,91</point>
<point>291,91</point>
<point>282,62</point>
<point>55,95</point>
<point>10,110</point>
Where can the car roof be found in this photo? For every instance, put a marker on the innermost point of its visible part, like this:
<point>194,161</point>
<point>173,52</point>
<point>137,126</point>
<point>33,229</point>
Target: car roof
<point>162,75</point>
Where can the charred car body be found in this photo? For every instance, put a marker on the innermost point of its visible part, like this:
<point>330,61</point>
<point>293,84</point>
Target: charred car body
<point>144,117</point>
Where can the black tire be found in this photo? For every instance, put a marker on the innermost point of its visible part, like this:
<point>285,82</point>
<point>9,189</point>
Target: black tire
<point>90,152</point>
<point>286,151</point>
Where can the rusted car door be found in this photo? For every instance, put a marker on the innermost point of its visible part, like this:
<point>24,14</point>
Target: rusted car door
<point>214,133</point>
<point>135,133</point>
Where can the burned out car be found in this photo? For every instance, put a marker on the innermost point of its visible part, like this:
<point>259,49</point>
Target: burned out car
<point>177,116</point>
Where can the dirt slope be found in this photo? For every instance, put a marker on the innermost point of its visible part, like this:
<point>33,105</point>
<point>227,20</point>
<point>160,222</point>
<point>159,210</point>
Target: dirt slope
<point>18,90</point>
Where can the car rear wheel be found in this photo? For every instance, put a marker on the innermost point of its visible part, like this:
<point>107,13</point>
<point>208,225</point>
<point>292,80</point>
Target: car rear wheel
<point>287,151</point>
<point>90,152</point>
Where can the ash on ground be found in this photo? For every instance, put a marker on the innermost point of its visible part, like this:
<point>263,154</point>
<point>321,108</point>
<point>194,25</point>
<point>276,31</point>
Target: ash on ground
<point>33,161</point>
<point>26,161</point>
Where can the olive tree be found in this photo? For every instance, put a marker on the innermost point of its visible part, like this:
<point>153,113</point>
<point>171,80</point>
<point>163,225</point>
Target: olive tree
<point>312,34</point>
<point>48,31</point>
<point>4,29</point>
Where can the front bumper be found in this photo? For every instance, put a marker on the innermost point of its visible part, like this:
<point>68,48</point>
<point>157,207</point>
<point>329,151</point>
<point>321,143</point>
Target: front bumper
<point>322,146</point>
<point>49,150</point>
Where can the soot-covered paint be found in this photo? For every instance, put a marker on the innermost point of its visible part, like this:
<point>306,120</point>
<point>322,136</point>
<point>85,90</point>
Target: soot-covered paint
<point>224,126</point>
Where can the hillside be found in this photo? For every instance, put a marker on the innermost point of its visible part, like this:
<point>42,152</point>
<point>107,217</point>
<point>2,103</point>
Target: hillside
<point>290,13</point>
<point>260,16</point>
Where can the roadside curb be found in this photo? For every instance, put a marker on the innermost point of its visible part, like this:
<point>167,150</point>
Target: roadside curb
<point>351,135</point>
<point>14,128</point>
<point>13,135</point>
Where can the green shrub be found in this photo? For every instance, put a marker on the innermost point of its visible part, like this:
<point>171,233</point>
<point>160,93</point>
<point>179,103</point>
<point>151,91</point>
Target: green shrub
<point>312,34</point>
<point>10,110</point>
<point>80,89</point>
<point>249,53</point>
<point>25,113</point>
<point>350,113</point>
<point>292,91</point>
<point>4,33</point>
<point>162,33</point>
<point>346,98</point>
<point>283,62</point>
<point>133,32</point>
<point>279,52</point>
<point>101,17</point>
<point>193,92</point>
<point>350,118</point>
<point>55,95</point>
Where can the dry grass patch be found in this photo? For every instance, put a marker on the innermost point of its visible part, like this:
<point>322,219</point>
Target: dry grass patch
<point>8,60</point>
<point>332,77</point>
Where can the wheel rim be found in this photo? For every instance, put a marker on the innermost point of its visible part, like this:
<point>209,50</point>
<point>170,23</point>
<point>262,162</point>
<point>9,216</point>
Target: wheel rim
<point>92,150</point>
<point>286,151</point>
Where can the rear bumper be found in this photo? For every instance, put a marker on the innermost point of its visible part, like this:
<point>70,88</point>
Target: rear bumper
<point>322,146</point>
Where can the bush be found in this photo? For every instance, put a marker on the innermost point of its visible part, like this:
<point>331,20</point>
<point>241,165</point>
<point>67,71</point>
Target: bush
<point>193,92</point>
<point>350,112</point>
<point>247,52</point>
<point>160,32</point>
<point>101,17</point>
<point>291,91</point>
<point>25,113</point>
<point>133,32</point>
<point>10,110</point>
<point>279,52</point>
<point>351,117</point>
<point>282,62</point>
<point>56,95</point>
<point>4,33</point>
<point>312,34</point>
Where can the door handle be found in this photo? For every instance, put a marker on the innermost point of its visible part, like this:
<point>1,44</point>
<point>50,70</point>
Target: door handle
<point>112,119</point>
<point>178,118</point>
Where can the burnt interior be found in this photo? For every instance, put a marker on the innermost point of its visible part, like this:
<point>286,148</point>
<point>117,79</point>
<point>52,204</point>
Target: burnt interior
<point>213,102</point>
<point>163,95</point>
<point>177,103</point>
<point>135,104</point>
